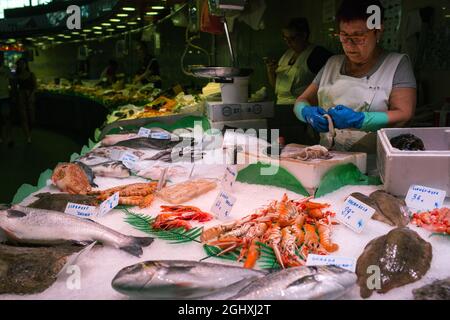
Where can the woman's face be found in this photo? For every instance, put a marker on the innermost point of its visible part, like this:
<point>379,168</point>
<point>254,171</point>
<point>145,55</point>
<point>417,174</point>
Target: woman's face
<point>358,41</point>
<point>294,40</point>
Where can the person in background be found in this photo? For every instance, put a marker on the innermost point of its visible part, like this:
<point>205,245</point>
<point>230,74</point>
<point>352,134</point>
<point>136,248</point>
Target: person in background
<point>298,66</point>
<point>5,105</point>
<point>25,86</point>
<point>109,74</point>
<point>148,71</point>
<point>363,90</point>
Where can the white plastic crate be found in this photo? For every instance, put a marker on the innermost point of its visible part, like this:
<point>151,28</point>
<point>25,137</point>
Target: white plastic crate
<point>401,169</point>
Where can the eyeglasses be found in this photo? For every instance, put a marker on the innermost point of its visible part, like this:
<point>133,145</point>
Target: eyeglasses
<point>357,39</point>
<point>290,38</point>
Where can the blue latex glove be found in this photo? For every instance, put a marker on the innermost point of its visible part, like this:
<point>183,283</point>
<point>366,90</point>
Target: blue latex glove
<point>346,118</point>
<point>312,115</point>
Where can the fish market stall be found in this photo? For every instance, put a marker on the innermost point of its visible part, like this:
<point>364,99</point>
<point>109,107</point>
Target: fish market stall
<point>182,225</point>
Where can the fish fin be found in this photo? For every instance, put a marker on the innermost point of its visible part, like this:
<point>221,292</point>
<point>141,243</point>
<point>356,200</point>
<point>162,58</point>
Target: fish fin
<point>93,184</point>
<point>144,241</point>
<point>15,214</point>
<point>133,249</point>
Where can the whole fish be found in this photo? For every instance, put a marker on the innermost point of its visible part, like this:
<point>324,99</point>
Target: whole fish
<point>112,139</point>
<point>147,143</point>
<point>58,201</point>
<point>180,279</point>
<point>37,226</point>
<point>300,283</point>
<point>107,152</point>
<point>111,169</point>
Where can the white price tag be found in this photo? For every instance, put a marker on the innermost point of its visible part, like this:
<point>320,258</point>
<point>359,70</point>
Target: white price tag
<point>229,178</point>
<point>144,132</point>
<point>342,262</point>
<point>355,214</point>
<point>223,205</point>
<point>160,135</point>
<point>425,198</point>
<point>81,210</point>
<point>109,204</point>
<point>129,160</point>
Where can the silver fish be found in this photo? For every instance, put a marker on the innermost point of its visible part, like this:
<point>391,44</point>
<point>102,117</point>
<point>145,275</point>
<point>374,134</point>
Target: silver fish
<point>300,283</point>
<point>112,139</point>
<point>181,279</point>
<point>111,169</point>
<point>36,226</point>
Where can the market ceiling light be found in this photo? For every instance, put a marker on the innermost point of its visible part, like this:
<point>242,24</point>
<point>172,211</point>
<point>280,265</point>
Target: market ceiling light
<point>97,28</point>
<point>87,30</point>
<point>98,32</point>
<point>128,9</point>
<point>75,32</point>
<point>29,39</point>
<point>122,15</point>
<point>106,24</point>
<point>50,38</point>
<point>11,40</point>
<point>65,37</point>
<point>114,20</point>
<point>59,35</point>
<point>121,27</point>
<point>110,30</point>
<point>132,23</point>
<point>158,7</point>
<point>152,13</point>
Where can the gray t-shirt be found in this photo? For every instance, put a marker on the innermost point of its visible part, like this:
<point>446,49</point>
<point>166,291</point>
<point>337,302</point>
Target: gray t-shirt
<point>403,78</point>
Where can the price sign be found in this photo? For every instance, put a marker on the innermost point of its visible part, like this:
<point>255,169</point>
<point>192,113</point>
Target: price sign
<point>144,132</point>
<point>160,135</point>
<point>342,262</point>
<point>129,160</point>
<point>424,198</point>
<point>109,204</point>
<point>223,205</point>
<point>229,178</point>
<point>80,210</point>
<point>355,214</point>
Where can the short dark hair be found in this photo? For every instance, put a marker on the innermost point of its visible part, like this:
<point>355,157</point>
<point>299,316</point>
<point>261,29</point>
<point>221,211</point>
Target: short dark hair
<point>299,25</point>
<point>352,10</point>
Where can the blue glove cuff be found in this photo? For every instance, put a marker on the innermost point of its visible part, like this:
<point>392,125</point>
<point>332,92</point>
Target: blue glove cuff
<point>374,121</point>
<point>298,110</point>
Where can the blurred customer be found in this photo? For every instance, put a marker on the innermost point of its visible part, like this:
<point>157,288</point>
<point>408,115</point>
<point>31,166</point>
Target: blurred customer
<point>109,74</point>
<point>148,71</point>
<point>25,86</point>
<point>5,105</point>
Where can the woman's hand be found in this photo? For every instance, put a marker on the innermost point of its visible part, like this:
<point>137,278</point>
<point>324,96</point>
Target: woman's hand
<point>346,118</point>
<point>271,66</point>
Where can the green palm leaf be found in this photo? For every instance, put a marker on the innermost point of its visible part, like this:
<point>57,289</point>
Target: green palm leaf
<point>267,259</point>
<point>213,252</point>
<point>174,236</point>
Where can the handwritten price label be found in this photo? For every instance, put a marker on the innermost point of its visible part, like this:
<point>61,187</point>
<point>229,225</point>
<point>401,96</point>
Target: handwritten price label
<point>80,210</point>
<point>129,160</point>
<point>424,198</point>
<point>109,204</point>
<point>223,205</point>
<point>355,214</point>
<point>160,135</point>
<point>144,132</point>
<point>342,262</point>
<point>230,178</point>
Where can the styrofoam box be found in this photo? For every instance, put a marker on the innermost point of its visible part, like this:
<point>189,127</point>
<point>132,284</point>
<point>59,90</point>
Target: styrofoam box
<point>218,111</point>
<point>401,169</point>
<point>309,173</point>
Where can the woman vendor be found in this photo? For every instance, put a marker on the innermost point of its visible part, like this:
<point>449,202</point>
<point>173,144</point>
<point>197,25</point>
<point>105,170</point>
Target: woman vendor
<point>363,90</point>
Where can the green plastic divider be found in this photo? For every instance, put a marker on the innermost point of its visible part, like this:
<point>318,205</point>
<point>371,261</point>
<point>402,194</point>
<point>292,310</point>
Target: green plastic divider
<point>282,179</point>
<point>344,175</point>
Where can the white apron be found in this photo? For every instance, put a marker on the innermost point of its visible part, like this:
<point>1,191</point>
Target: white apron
<point>291,81</point>
<point>359,94</point>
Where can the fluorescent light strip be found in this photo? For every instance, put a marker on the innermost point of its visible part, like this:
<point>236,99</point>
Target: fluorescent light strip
<point>158,7</point>
<point>152,13</point>
<point>128,9</point>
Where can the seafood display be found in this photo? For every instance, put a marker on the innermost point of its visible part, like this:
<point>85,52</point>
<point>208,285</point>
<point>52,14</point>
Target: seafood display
<point>136,194</point>
<point>111,169</point>
<point>288,227</point>
<point>154,172</point>
<point>438,290</point>
<point>185,191</point>
<point>300,283</point>
<point>71,178</point>
<point>408,142</point>
<point>437,220</point>
<point>28,270</point>
<point>147,143</point>
<point>305,153</point>
<point>182,280</point>
<point>89,173</point>
<point>402,256</point>
<point>172,217</point>
<point>388,209</point>
<point>58,201</point>
<point>37,226</point>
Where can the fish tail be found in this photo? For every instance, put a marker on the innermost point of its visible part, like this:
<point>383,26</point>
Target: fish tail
<point>144,241</point>
<point>133,249</point>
